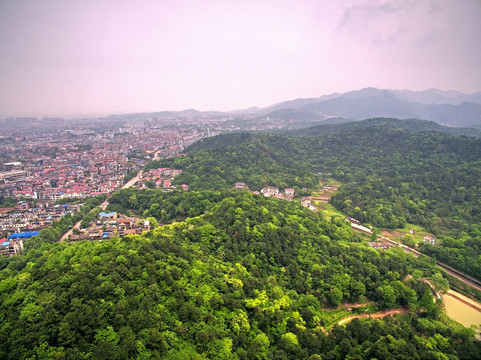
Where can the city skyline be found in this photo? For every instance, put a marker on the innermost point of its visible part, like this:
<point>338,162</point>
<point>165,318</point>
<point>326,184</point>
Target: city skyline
<point>106,57</point>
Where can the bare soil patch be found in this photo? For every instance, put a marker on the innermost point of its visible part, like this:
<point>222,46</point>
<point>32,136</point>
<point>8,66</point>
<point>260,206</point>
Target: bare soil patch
<point>377,315</point>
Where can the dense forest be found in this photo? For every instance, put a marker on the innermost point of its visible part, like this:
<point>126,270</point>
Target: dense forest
<point>393,173</point>
<point>414,125</point>
<point>217,163</point>
<point>250,278</point>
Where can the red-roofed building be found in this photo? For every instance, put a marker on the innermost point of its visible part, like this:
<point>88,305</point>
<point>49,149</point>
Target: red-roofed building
<point>289,192</point>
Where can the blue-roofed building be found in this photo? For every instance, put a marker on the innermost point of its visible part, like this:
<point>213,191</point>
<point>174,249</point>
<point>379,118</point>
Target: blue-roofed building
<point>23,235</point>
<point>110,216</point>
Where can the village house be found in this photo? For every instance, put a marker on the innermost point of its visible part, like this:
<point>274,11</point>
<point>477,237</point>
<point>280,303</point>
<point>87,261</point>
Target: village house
<point>428,239</point>
<point>146,225</point>
<point>79,237</point>
<point>11,247</point>
<point>289,192</point>
<point>23,235</point>
<point>240,185</point>
<point>269,190</point>
<point>166,185</point>
<point>21,205</point>
<point>306,202</point>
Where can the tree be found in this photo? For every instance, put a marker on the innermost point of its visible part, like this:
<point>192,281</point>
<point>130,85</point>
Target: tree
<point>240,323</point>
<point>440,284</point>
<point>134,203</point>
<point>388,296</point>
<point>335,296</point>
<point>153,222</point>
<point>289,343</point>
<point>150,184</point>
<point>260,347</point>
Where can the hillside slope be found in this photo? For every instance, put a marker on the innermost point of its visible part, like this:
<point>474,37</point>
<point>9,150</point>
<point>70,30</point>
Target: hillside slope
<point>249,279</point>
<point>392,175</point>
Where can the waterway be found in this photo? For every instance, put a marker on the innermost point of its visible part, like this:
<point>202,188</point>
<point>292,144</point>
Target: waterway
<point>457,309</point>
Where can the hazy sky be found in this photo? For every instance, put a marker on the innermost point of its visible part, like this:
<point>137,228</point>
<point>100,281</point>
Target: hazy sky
<point>115,56</point>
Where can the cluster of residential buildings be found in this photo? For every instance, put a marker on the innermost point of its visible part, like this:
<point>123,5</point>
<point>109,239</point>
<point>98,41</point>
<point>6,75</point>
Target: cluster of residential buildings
<point>81,159</point>
<point>28,216</point>
<point>111,224</point>
<point>51,169</point>
<point>10,247</point>
<point>160,178</point>
<point>273,191</point>
<point>14,244</point>
<point>26,219</point>
<point>268,191</point>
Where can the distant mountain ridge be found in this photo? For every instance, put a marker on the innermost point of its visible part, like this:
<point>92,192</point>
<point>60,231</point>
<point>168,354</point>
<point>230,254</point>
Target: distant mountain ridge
<point>435,96</point>
<point>427,97</point>
<point>449,108</point>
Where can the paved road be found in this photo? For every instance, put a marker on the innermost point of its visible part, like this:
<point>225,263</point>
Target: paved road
<point>103,205</point>
<point>133,180</point>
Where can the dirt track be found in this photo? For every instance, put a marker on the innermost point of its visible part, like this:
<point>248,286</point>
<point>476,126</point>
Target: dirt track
<point>377,315</point>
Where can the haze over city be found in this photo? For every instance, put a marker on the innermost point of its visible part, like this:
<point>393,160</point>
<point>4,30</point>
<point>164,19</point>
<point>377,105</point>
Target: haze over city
<point>104,57</point>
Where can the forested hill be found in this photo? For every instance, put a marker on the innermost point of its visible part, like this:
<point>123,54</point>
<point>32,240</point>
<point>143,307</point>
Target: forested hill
<point>413,125</point>
<point>252,278</point>
<point>217,163</point>
<point>391,176</point>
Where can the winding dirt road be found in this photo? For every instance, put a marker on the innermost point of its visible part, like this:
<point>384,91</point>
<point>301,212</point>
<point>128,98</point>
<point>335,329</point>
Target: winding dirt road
<point>377,315</point>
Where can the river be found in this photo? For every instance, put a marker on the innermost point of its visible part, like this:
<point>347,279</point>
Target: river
<point>457,309</point>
